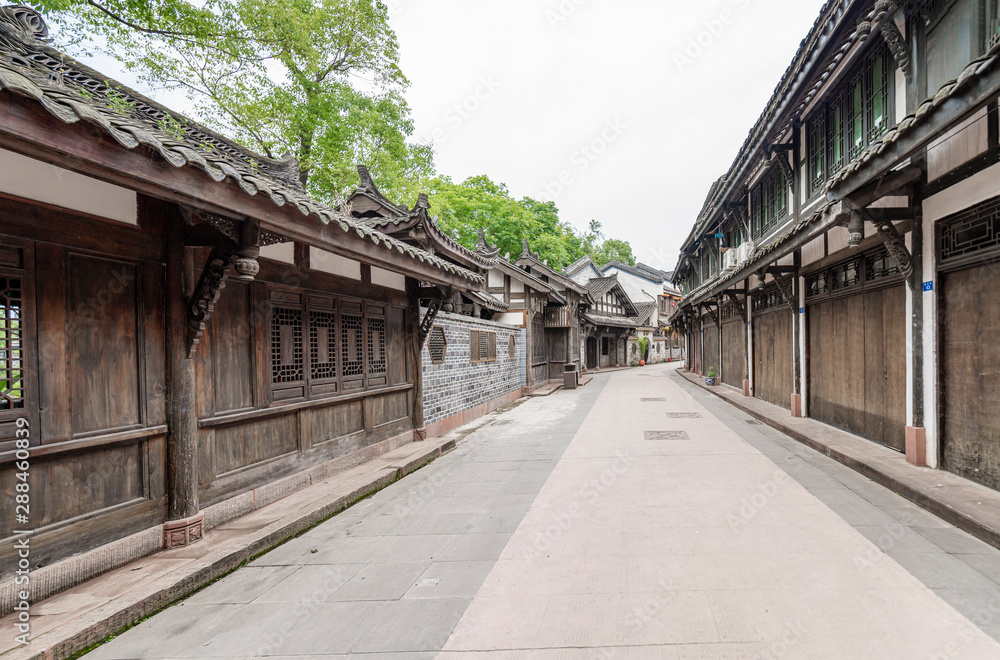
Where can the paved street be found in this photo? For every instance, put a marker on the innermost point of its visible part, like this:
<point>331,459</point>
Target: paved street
<point>637,517</point>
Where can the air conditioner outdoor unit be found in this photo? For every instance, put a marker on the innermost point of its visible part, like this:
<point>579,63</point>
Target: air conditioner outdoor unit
<point>744,252</point>
<point>729,260</point>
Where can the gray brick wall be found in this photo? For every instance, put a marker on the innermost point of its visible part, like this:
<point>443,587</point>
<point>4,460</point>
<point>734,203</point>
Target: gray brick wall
<point>459,384</point>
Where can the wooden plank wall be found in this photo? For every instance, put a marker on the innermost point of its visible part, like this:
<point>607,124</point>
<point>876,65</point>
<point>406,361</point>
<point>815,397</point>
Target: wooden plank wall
<point>857,369</point>
<point>94,361</point>
<point>711,339</point>
<point>970,362</point>
<point>733,352</point>
<point>772,342</point>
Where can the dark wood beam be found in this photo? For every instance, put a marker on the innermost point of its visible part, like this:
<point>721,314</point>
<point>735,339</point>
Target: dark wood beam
<point>26,128</point>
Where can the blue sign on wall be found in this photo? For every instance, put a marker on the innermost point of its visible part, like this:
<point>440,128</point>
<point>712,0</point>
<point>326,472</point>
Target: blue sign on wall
<point>928,286</point>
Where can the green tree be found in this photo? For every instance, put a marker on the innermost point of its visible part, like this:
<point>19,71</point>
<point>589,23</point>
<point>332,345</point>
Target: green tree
<point>317,79</point>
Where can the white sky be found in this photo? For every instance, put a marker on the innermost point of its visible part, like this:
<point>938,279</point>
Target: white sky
<point>537,81</point>
<point>623,111</point>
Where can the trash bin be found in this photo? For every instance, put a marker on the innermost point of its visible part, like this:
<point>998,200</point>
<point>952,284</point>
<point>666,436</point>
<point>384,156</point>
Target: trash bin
<point>571,377</point>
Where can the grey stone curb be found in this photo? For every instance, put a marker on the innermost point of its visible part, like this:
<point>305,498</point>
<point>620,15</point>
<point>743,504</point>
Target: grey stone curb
<point>982,530</point>
<point>117,616</point>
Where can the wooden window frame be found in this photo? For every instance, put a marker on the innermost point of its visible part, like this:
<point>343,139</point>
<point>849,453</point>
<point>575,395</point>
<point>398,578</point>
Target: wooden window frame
<point>769,202</point>
<point>847,130</point>
<point>23,339</point>
<point>312,385</point>
<point>482,346</point>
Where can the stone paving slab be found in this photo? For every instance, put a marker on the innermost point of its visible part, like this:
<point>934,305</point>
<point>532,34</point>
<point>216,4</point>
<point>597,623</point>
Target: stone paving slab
<point>391,576</point>
<point>631,551</point>
<point>77,618</point>
<point>962,503</point>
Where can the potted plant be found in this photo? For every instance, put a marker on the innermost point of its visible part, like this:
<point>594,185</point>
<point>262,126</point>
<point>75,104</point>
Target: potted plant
<point>710,376</point>
<point>643,346</point>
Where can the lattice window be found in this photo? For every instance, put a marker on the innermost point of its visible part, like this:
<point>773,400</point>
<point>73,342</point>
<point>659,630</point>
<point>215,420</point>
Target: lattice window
<point>770,298</point>
<point>376,345</point>
<point>11,347</point>
<point>879,265</point>
<point>846,275</point>
<point>770,201</point>
<point>817,152</point>
<point>836,135</point>
<point>437,345</point>
<point>817,284</point>
<point>287,360</point>
<point>971,231</point>
<point>482,346</point>
<point>879,77</point>
<point>352,344</point>
<point>323,345</point>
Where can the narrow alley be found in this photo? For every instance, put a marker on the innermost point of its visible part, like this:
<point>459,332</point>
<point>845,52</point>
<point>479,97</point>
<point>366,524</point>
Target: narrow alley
<point>636,517</point>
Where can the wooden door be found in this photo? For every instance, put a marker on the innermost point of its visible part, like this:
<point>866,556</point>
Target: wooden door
<point>591,352</point>
<point>734,352</point>
<point>772,343</point>
<point>695,357</point>
<point>711,338</point>
<point>857,365</point>
<point>970,362</point>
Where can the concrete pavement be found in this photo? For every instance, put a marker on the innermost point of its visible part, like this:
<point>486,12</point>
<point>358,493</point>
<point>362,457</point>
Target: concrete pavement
<point>634,518</point>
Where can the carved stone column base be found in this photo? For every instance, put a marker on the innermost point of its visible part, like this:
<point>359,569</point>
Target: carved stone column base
<point>796,405</point>
<point>916,446</point>
<point>182,533</point>
<point>419,435</point>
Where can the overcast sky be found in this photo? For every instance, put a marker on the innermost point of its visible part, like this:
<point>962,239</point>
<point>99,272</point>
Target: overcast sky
<point>623,111</point>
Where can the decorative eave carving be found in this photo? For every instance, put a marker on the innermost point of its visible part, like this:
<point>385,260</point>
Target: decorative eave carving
<point>740,305</point>
<point>894,243</point>
<point>882,16</point>
<point>206,294</point>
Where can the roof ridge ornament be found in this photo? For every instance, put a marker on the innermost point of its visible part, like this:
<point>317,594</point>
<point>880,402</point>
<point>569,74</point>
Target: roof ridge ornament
<point>27,22</point>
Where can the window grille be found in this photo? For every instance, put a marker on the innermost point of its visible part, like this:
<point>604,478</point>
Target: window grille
<point>323,345</point>
<point>352,344</point>
<point>376,345</point>
<point>817,284</point>
<point>846,275</point>
<point>769,298</point>
<point>971,231</point>
<point>879,265</point>
<point>11,346</point>
<point>437,345</point>
<point>817,152</point>
<point>287,363</point>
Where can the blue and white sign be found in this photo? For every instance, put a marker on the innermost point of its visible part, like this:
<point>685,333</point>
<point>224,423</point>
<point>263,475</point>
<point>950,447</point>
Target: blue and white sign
<point>928,286</point>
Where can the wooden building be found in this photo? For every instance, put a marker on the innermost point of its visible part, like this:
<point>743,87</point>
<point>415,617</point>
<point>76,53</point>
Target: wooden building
<point>608,324</point>
<point>180,324</point>
<point>845,265</point>
<point>556,332</point>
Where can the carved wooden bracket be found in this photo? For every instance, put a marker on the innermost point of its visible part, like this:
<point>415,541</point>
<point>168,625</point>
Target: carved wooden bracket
<point>206,294</point>
<point>713,316</point>
<point>786,168</point>
<point>740,305</point>
<point>894,39</point>
<point>895,244</point>
<point>785,286</point>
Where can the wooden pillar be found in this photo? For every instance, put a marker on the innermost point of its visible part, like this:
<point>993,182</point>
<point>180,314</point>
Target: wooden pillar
<point>916,431</point>
<point>185,523</point>
<point>414,350</point>
<point>748,384</point>
<point>746,337</point>
<point>798,311</point>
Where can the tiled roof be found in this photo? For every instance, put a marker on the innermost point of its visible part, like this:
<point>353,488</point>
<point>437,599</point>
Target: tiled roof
<point>601,285</point>
<point>639,270</point>
<point>72,92</point>
<point>579,265</point>
<point>645,313</point>
<point>612,321</point>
